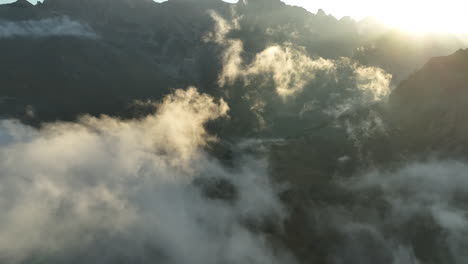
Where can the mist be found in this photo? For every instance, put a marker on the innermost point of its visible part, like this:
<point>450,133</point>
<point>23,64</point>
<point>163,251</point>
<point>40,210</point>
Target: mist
<point>412,214</point>
<point>104,189</point>
<point>48,27</point>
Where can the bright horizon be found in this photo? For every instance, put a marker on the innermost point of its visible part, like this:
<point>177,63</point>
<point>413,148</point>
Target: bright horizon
<point>419,16</point>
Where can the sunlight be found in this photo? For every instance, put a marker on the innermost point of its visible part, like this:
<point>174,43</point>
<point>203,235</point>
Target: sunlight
<point>419,16</point>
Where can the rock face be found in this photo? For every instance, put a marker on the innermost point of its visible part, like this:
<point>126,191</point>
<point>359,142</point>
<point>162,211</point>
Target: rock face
<point>431,106</point>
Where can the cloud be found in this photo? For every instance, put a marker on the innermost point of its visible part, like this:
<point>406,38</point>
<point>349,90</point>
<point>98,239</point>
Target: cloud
<point>374,82</point>
<point>353,105</point>
<point>342,87</point>
<point>48,27</point>
<point>222,28</point>
<point>232,63</point>
<point>432,186</point>
<point>362,86</point>
<point>406,215</point>
<point>104,189</point>
<point>289,69</point>
<point>232,60</point>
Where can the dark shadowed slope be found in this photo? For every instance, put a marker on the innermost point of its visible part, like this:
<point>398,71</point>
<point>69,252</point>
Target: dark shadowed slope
<point>430,107</point>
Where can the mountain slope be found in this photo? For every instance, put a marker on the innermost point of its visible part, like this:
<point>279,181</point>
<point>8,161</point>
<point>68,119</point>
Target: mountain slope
<point>430,107</point>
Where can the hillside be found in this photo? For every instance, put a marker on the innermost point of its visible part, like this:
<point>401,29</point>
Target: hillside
<point>430,106</point>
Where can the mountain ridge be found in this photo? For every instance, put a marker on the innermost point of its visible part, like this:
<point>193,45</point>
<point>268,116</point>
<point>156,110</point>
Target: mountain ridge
<point>153,47</point>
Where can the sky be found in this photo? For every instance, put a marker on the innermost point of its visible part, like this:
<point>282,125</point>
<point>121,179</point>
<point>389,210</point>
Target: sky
<point>411,15</point>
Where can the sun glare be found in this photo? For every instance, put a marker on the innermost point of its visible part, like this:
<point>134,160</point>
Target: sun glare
<point>419,16</point>
<point>427,17</point>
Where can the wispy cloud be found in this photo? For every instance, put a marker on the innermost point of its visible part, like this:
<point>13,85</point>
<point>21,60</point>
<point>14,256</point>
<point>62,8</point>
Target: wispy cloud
<point>290,68</point>
<point>342,85</point>
<point>57,26</point>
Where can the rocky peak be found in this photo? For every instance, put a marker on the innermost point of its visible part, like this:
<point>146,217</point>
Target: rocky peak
<point>262,3</point>
<point>321,13</point>
<point>21,4</point>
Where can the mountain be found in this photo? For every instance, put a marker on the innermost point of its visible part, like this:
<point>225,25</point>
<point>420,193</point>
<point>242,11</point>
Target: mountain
<point>315,161</point>
<point>403,53</point>
<point>74,54</point>
<point>21,4</point>
<point>430,106</point>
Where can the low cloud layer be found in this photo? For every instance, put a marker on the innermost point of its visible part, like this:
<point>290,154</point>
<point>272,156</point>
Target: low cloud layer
<point>57,26</point>
<point>410,215</point>
<point>103,189</point>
